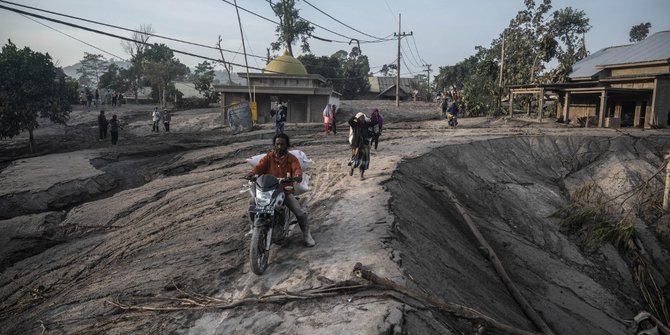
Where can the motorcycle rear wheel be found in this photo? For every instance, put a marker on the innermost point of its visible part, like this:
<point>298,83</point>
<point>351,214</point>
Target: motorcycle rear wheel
<point>258,255</point>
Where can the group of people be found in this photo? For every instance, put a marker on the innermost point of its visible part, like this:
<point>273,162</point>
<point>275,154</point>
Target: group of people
<point>88,98</point>
<point>113,125</point>
<point>157,116</point>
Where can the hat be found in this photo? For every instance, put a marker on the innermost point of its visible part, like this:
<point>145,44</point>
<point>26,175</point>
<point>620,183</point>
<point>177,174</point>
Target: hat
<point>359,114</point>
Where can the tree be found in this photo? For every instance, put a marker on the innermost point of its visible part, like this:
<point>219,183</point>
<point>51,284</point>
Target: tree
<point>92,66</point>
<point>389,70</point>
<point>291,27</point>
<point>203,77</point>
<point>114,79</point>
<point>639,32</point>
<point>136,50</point>
<point>355,74</point>
<point>328,67</point>
<point>140,40</point>
<point>569,26</point>
<point>31,87</point>
<point>162,68</point>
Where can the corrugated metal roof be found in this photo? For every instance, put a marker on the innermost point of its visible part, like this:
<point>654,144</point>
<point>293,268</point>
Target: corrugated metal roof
<point>382,84</point>
<point>654,47</point>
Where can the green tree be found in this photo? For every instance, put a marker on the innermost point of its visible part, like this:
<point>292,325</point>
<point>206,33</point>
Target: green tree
<point>31,87</point>
<point>569,26</point>
<point>161,68</point>
<point>639,32</point>
<point>92,67</point>
<point>291,27</point>
<point>355,71</point>
<point>72,90</point>
<point>389,70</point>
<point>114,79</point>
<point>203,78</point>
<point>329,67</point>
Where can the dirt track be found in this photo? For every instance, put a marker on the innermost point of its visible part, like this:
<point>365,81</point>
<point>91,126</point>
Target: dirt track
<point>166,223</point>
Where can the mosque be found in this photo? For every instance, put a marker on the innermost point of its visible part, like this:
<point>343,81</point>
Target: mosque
<point>284,79</point>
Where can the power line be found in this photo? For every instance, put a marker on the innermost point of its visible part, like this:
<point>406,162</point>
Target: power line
<point>336,33</point>
<point>417,50</point>
<point>70,36</point>
<point>342,23</point>
<point>135,31</point>
<point>411,53</point>
<point>113,26</point>
<point>120,37</point>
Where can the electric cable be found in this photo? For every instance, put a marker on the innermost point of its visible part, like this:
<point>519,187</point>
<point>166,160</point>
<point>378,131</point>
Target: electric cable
<point>342,23</point>
<point>122,37</point>
<point>139,32</point>
<point>70,36</point>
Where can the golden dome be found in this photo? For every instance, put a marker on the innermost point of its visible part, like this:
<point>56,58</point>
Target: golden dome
<point>285,64</point>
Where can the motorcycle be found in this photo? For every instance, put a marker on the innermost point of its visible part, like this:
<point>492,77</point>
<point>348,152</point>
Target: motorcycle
<point>452,121</point>
<point>269,217</point>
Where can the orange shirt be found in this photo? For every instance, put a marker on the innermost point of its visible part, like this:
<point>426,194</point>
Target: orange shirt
<point>278,167</point>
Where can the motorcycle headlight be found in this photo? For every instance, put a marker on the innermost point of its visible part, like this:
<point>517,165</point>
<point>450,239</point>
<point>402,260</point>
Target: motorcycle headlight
<point>263,198</point>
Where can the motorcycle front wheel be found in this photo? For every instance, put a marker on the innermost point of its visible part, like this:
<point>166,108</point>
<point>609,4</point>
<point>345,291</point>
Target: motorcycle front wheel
<point>258,254</point>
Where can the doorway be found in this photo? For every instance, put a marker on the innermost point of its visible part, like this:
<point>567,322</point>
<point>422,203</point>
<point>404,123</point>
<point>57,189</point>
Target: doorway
<point>627,113</point>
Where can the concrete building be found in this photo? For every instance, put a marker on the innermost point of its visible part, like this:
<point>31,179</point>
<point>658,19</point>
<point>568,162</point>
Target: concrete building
<point>285,79</point>
<point>621,86</point>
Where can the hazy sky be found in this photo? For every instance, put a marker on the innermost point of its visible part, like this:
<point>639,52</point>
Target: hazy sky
<point>445,32</point>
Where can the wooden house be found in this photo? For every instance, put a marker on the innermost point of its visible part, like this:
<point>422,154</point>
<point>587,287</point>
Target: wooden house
<point>383,88</point>
<point>621,86</point>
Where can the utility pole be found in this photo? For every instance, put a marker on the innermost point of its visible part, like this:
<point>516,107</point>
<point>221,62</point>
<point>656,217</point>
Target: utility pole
<point>500,77</point>
<point>427,66</point>
<point>397,79</point>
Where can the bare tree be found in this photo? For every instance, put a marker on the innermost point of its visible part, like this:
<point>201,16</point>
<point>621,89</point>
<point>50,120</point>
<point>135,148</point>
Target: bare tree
<point>140,37</point>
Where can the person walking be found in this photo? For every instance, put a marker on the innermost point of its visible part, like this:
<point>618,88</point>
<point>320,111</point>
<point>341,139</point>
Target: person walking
<point>156,118</point>
<point>166,120</point>
<point>377,129</point>
<point>333,121</point>
<point>102,125</point>
<point>280,117</point>
<point>360,132</point>
<point>114,129</point>
<point>97,98</point>
<point>89,98</point>
<point>82,99</point>
<point>281,163</point>
<point>326,119</point>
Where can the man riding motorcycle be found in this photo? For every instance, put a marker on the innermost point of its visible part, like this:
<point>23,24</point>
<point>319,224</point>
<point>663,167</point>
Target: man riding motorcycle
<point>281,163</point>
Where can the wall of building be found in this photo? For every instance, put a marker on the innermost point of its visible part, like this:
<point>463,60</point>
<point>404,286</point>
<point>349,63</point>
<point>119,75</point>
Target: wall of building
<point>635,85</point>
<point>646,70</point>
<point>582,105</point>
<point>318,103</point>
<point>661,104</point>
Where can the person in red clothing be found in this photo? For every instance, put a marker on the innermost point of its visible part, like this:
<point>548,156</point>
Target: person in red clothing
<point>281,163</point>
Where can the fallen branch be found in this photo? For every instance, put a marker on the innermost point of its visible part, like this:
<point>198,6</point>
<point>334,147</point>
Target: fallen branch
<point>451,308</point>
<point>198,301</point>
